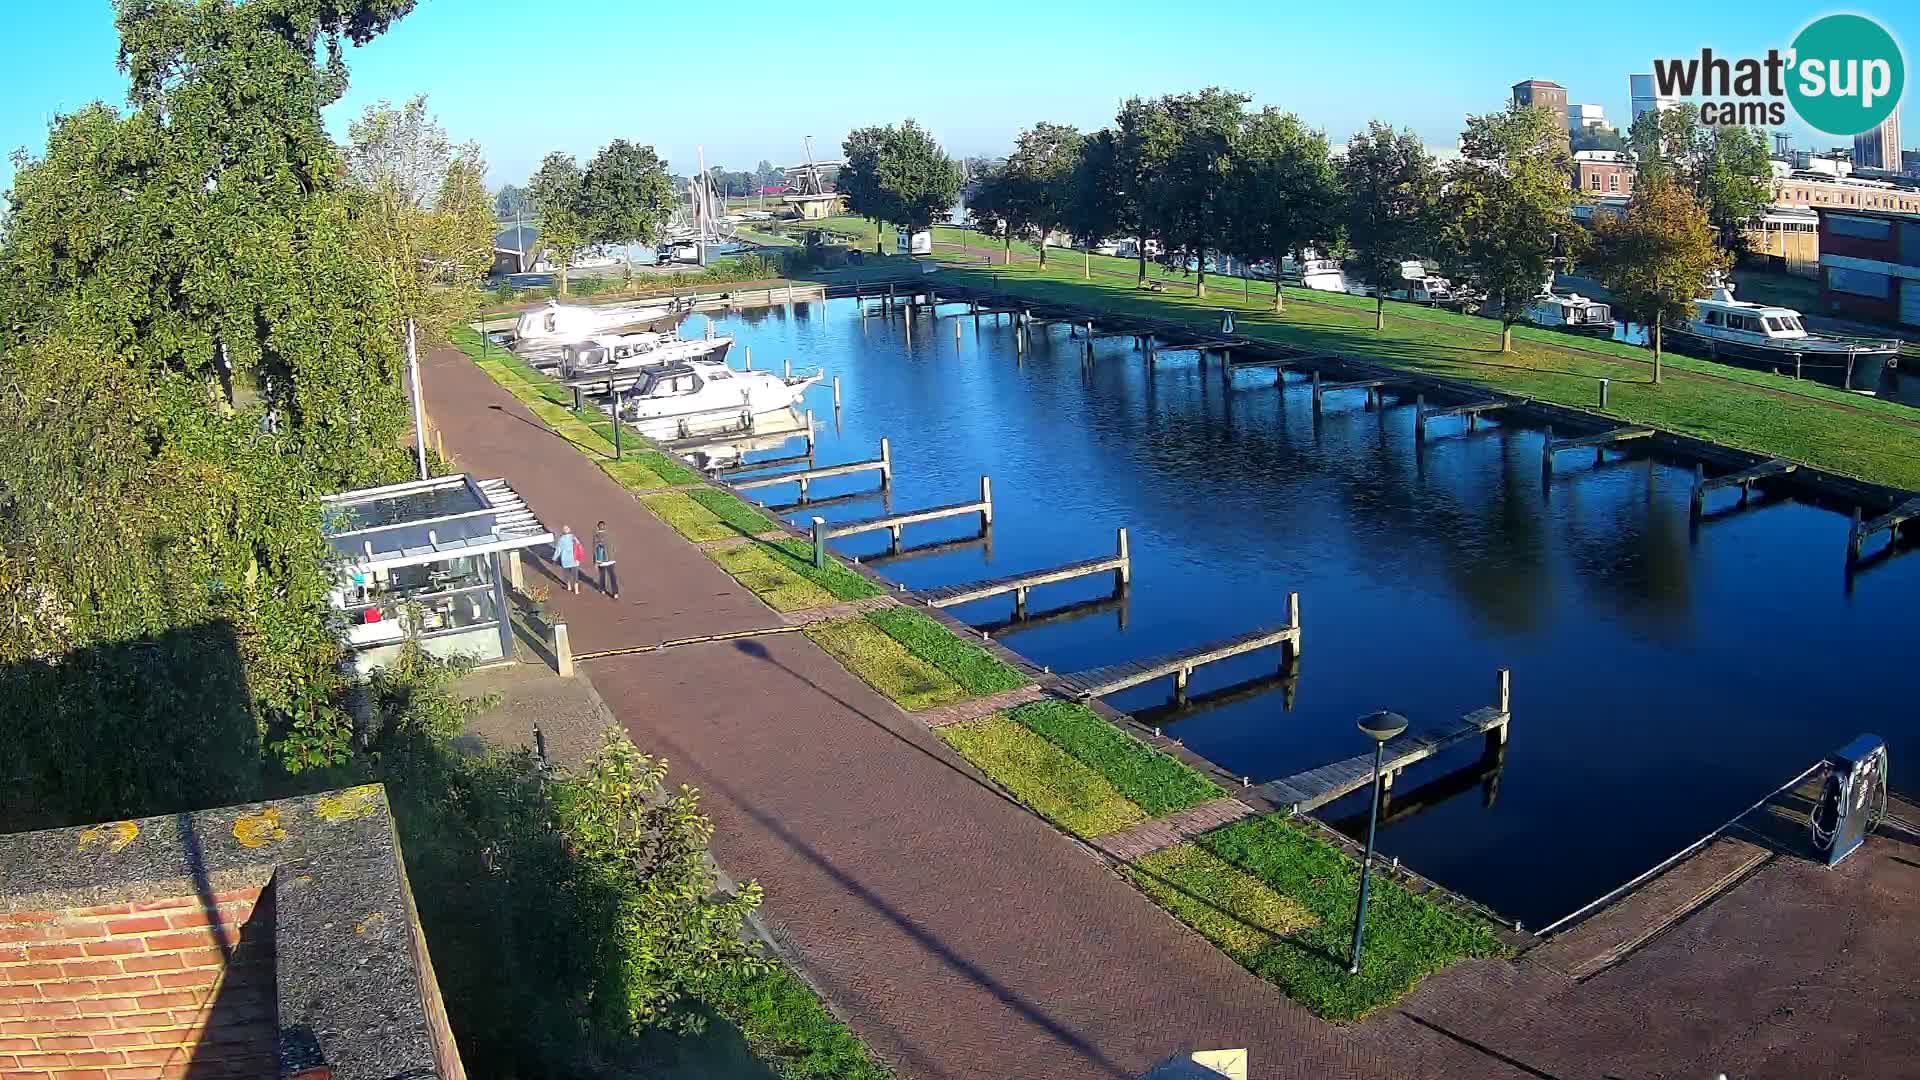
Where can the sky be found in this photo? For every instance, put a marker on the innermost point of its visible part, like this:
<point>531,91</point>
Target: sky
<point>748,80</point>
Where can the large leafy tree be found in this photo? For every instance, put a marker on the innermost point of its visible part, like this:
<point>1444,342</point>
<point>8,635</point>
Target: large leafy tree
<point>1140,150</point>
<point>1097,204</point>
<point>1507,207</point>
<point>898,175</point>
<point>1725,169</point>
<point>1390,183</point>
<point>1283,190</point>
<point>995,208</point>
<point>1188,156</point>
<point>1040,171</point>
<point>859,179</point>
<point>422,207</point>
<point>558,193</point>
<point>626,196</point>
<point>1657,257</point>
<point>195,347</point>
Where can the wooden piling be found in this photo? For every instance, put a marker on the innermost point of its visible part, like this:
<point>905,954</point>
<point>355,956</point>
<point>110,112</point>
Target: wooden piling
<point>886,464</point>
<point>1290,650</point>
<point>1853,537</point>
<point>789,369</point>
<point>746,353</point>
<point>1698,498</point>
<point>1316,391</point>
<point>1419,418</point>
<point>836,393</point>
<point>562,651</point>
<point>809,421</point>
<point>1546,456</point>
<point>986,502</point>
<point>1124,575</point>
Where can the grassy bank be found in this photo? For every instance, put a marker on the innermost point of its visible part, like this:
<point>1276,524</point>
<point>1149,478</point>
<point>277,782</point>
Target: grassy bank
<point>916,662</point>
<point>1043,777</point>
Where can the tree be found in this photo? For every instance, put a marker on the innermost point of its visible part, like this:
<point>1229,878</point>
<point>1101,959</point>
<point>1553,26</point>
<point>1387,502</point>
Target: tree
<point>1657,257</point>
<point>558,192</point>
<point>1096,207</point>
<point>1725,169</point>
<point>1389,180</point>
<point>1040,177</point>
<point>994,209</point>
<point>1283,192</point>
<point>899,175</point>
<point>511,202</point>
<point>1138,156</point>
<point>196,348</point>
<point>626,196</point>
<point>421,203</point>
<point>1185,155</point>
<point>1506,206</point>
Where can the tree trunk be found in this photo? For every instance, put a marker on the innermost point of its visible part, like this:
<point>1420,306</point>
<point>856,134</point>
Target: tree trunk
<point>1141,251</point>
<point>1656,351</point>
<point>1043,249</point>
<point>1277,305</point>
<point>1008,240</point>
<point>560,277</point>
<point>1506,336</point>
<point>1379,309</point>
<point>1200,286</point>
<point>1086,264</point>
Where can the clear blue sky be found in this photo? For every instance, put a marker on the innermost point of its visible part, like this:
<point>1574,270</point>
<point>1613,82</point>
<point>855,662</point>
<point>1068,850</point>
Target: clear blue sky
<point>747,80</point>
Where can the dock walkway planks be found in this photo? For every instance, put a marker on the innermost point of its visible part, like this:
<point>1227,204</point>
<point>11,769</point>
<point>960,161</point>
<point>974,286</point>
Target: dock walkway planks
<point>1598,438</point>
<point>1889,521</point>
<point>1314,788</point>
<point>1114,678</point>
<point>882,465</point>
<point>893,523</point>
<point>951,595</point>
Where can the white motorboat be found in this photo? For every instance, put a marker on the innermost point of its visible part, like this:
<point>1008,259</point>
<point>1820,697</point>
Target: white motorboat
<point>1772,338</point>
<point>1573,313</point>
<point>605,354</point>
<point>543,327</point>
<point>681,399</point>
<point>1313,272</point>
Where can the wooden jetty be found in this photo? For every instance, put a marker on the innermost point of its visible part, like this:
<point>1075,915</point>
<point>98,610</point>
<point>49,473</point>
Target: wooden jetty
<point>1115,602</point>
<point>1371,386</point>
<point>1114,678</point>
<point>1470,410</point>
<point>1599,440</point>
<point>893,523</point>
<point>765,463</point>
<point>1314,788</point>
<point>982,540</point>
<point>1120,564</point>
<point>729,437</point>
<point>1887,522</point>
<point>882,465</point>
<point>1743,479</point>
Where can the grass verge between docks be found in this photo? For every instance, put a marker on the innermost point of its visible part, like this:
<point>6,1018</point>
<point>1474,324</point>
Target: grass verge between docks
<point>1042,776</point>
<point>885,664</point>
<point>977,671</point>
<point>1159,783</point>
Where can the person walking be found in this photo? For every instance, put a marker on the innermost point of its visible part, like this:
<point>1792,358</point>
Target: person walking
<point>603,561</point>
<point>566,552</point>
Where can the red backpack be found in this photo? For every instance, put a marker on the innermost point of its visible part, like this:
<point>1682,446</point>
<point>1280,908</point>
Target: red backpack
<point>579,552</point>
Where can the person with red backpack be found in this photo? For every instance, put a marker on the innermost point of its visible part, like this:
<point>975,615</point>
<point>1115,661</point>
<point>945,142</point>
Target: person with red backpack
<point>569,553</point>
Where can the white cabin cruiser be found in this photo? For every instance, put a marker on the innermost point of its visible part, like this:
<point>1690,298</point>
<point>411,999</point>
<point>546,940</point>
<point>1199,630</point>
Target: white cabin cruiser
<point>1313,272</point>
<point>616,353</point>
<point>677,400</point>
<point>1773,338</point>
<point>1573,313</point>
<point>542,327</point>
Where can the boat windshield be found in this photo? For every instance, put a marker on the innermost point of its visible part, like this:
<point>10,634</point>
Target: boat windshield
<point>671,384</point>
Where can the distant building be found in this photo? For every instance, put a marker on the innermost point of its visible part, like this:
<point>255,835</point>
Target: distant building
<point>1543,94</point>
<point>1870,265</point>
<point>1585,118</point>
<point>515,250</point>
<point>1602,172</point>
<point>1878,150</point>
<point>1811,190</point>
<point>1910,162</point>
<point>1645,96</point>
<point>1788,238</point>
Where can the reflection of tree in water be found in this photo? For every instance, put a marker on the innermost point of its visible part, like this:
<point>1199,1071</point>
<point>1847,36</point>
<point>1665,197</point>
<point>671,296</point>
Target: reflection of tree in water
<point>1635,556</point>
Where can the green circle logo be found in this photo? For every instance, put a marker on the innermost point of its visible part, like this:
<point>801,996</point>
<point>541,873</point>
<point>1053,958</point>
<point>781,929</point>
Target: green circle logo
<point>1847,74</point>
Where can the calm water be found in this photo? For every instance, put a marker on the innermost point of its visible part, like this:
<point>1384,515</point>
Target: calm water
<point>1661,683</point>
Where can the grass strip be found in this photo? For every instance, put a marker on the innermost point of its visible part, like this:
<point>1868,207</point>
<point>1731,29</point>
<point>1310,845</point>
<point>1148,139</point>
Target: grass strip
<point>687,517</point>
<point>885,664</point>
<point>754,566</point>
<point>1408,937</point>
<point>787,1027</point>
<point>633,473</point>
<point>977,670</point>
<point>734,511</point>
<point>842,583</point>
<point>1227,906</point>
<point>1160,784</point>
<point>1042,776</point>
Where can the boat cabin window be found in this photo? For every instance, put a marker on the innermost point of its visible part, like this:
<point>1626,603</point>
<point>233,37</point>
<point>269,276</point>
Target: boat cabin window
<point>1712,319</point>
<point>1775,323</point>
<point>672,385</point>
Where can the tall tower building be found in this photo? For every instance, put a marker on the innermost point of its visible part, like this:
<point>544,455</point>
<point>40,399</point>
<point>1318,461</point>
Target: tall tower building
<point>1543,94</point>
<point>1645,96</point>
<point>1879,148</point>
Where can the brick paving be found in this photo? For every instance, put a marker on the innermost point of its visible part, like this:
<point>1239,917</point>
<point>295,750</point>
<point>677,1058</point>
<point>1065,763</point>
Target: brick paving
<point>831,612</point>
<point>963,937</point>
<point>974,708</point>
<point>1150,836</point>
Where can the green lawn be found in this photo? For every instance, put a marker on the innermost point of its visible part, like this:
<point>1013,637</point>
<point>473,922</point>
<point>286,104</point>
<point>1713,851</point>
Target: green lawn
<point>977,671</point>
<point>1229,907</point>
<point>788,1028</point>
<point>769,577</point>
<point>1408,936</point>
<point>886,665</point>
<point>1160,784</point>
<point>687,517</point>
<point>734,511</point>
<point>1039,774</point>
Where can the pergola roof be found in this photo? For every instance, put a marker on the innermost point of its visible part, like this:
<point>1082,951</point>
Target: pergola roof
<point>423,521</point>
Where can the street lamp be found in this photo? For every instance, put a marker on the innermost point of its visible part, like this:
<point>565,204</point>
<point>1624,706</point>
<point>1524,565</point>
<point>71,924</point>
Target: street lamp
<point>1381,726</point>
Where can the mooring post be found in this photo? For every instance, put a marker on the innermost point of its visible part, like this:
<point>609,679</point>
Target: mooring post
<point>1699,495</point>
<point>803,489</point>
<point>1546,457</point>
<point>1853,538</point>
<point>616,424</point>
<point>1290,650</point>
<point>746,354</point>
<point>1419,417</point>
<point>889,300</point>
<point>1316,391</point>
<point>886,464</point>
<point>986,502</point>
<point>576,399</point>
<point>836,393</point>
<point>1503,701</point>
<point>515,577</point>
<point>893,536</point>
<point>1020,601</point>
<point>956,331</point>
<point>1605,385</point>
<point>789,369</point>
<point>820,543</point>
<point>1180,684</point>
<point>809,420</point>
<point>1124,575</point>
<point>562,651</point>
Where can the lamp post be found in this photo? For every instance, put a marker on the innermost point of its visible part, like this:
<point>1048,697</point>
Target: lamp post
<point>1381,726</point>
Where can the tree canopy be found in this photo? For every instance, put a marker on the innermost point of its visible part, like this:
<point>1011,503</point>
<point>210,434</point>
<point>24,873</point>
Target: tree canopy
<point>1040,174</point>
<point>898,175</point>
<point>1283,192</point>
<point>1506,206</point>
<point>558,193</point>
<point>626,196</point>
<point>1390,183</point>
<point>1657,257</point>
<point>1725,169</point>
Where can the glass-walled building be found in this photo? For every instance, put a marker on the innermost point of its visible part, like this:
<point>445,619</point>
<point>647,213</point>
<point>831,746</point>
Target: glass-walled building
<point>426,560</point>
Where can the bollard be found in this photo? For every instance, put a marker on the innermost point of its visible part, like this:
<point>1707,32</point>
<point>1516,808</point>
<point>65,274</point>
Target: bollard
<point>986,502</point>
<point>1605,384</point>
<point>836,393</point>
<point>886,464</point>
<point>820,543</point>
<point>514,575</point>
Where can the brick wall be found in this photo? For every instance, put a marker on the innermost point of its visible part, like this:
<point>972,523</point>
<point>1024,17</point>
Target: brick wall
<point>140,991</point>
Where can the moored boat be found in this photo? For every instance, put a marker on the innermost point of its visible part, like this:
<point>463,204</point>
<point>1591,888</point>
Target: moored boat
<point>543,327</point>
<point>1772,338</point>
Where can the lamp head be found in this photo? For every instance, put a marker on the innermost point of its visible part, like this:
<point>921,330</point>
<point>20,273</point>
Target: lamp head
<point>1383,725</point>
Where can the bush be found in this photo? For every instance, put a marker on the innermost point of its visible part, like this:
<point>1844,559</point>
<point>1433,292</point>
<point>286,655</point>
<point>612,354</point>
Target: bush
<point>588,286</point>
<point>504,292</point>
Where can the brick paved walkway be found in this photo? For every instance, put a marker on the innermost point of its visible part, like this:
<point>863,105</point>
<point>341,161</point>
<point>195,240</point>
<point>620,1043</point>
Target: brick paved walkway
<point>963,937</point>
<point>1150,836</point>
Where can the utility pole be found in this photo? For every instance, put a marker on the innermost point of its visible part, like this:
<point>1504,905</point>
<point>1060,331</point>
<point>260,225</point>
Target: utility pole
<point>419,417</point>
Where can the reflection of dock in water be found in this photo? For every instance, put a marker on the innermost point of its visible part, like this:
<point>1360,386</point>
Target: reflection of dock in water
<point>983,540</point>
<point>1287,681</point>
<point>1483,772</point>
<point>1065,613</point>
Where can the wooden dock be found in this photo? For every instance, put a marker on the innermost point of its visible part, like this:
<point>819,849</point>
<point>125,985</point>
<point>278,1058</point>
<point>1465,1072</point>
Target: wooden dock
<point>1887,523</point>
<point>1599,440</point>
<point>1314,788</point>
<point>1119,564</point>
<point>882,465</point>
<point>766,463</point>
<point>1743,479</point>
<point>893,523</point>
<point>1371,386</point>
<point>1114,678</point>
<point>1470,410</point>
